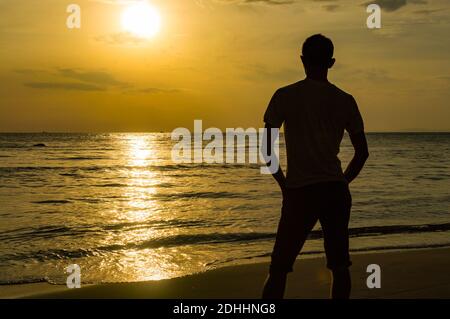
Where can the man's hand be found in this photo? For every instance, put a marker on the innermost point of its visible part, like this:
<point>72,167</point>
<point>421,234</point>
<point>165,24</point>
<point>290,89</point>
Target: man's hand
<point>281,180</point>
<point>359,159</point>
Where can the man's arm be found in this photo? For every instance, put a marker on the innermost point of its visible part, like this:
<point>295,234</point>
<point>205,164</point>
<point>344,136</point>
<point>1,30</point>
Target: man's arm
<point>360,157</point>
<point>279,175</point>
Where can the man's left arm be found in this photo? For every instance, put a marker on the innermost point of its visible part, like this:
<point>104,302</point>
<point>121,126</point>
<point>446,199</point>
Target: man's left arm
<point>278,175</point>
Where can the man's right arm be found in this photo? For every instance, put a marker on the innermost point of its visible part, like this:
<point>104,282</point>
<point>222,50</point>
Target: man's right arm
<point>360,157</point>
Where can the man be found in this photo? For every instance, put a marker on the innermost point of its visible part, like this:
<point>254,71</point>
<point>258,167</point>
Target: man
<point>315,114</point>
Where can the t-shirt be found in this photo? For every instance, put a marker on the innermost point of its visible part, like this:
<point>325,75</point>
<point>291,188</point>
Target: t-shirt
<point>315,115</point>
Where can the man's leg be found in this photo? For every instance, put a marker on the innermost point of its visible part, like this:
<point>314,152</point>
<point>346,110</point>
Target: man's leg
<point>334,220</point>
<point>342,283</point>
<point>295,224</point>
<point>275,286</point>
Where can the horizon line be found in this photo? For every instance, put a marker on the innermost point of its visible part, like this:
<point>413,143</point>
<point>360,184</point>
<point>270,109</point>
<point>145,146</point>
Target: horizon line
<point>142,132</point>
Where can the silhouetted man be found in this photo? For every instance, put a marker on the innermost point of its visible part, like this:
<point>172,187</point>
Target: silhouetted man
<point>315,114</point>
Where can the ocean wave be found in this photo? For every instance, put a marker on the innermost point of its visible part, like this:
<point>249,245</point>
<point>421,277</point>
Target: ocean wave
<point>78,158</point>
<point>55,231</point>
<point>170,241</point>
<point>182,167</point>
<point>112,185</point>
<point>18,169</point>
<point>166,167</point>
<point>354,250</point>
<point>13,145</point>
<point>72,175</point>
<point>397,229</point>
<point>29,233</point>
<point>197,239</point>
<point>213,195</point>
<point>23,281</point>
<point>53,201</point>
<point>14,169</point>
<point>432,178</point>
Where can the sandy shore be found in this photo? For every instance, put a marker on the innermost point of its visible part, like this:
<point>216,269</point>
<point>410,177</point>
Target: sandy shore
<point>405,274</point>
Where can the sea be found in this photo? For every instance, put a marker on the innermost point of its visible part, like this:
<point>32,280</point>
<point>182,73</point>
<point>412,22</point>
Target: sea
<point>117,205</point>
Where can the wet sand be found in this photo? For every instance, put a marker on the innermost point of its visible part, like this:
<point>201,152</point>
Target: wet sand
<point>404,274</point>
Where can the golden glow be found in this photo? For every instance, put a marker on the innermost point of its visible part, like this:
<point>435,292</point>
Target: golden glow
<point>139,150</point>
<point>140,180</point>
<point>146,264</point>
<point>141,20</point>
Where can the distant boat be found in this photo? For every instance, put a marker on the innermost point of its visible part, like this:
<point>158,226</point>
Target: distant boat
<point>40,145</point>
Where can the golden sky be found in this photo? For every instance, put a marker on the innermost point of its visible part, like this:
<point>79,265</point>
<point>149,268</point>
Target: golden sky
<point>216,60</point>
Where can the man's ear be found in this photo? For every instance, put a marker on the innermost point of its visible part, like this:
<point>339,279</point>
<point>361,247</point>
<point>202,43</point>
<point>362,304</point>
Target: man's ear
<point>333,60</point>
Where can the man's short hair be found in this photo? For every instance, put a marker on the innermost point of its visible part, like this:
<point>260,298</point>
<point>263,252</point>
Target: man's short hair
<point>318,50</point>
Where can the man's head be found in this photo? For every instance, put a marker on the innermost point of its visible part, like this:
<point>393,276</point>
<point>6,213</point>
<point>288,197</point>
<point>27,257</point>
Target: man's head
<point>317,53</point>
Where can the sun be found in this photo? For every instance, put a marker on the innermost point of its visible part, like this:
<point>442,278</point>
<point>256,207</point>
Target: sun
<point>141,20</point>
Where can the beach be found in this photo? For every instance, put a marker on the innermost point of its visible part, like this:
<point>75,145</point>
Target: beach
<point>140,226</point>
<point>404,274</point>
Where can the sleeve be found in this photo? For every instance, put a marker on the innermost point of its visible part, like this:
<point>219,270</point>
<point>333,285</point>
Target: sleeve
<point>274,115</point>
<point>355,123</point>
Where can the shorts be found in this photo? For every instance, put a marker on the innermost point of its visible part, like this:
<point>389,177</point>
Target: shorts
<point>330,203</point>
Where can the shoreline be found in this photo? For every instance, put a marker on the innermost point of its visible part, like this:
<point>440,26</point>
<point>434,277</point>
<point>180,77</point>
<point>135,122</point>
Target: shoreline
<point>412,273</point>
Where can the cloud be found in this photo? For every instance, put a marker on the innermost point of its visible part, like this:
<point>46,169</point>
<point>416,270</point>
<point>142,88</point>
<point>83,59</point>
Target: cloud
<point>444,78</point>
<point>63,86</point>
<point>370,74</point>
<point>28,71</point>
<point>270,2</point>
<point>394,5</point>
<point>331,7</point>
<point>100,78</point>
<point>426,11</point>
<point>117,2</point>
<point>71,79</point>
<point>154,90</point>
<point>258,71</point>
<point>267,2</point>
<point>96,77</point>
<point>120,38</point>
